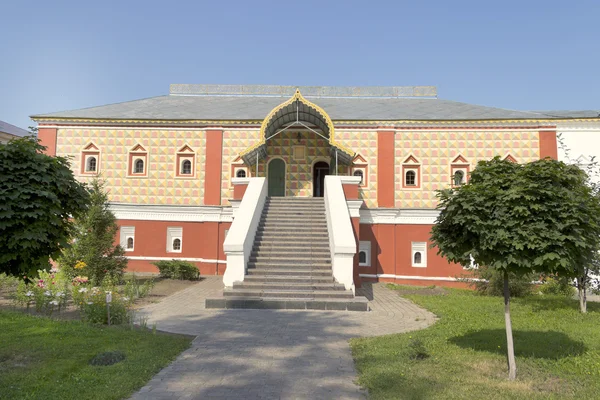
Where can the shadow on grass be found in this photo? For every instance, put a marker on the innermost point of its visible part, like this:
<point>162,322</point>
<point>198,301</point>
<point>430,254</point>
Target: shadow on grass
<point>531,344</point>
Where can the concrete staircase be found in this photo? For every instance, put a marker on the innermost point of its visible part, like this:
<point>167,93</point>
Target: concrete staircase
<point>290,264</point>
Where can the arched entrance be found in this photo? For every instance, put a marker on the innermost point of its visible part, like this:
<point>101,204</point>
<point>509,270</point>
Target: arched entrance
<point>320,169</point>
<point>276,177</point>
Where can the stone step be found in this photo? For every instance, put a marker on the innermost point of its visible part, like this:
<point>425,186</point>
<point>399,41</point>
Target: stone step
<point>285,279</point>
<point>305,272</point>
<point>294,213</point>
<point>294,218</point>
<point>287,233</point>
<point>284,241</point>
<point>292,246</point>
<point>278,253</point>
<point>301,225</point>
<point>295,294</point>
<point>355,304</point>
<point>291,260</point>
<point>296,200</point>
<point>289,286</point>
<point>287,264</point>
<point>299,229</point>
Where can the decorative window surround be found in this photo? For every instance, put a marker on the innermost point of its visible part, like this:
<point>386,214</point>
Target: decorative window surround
<point>174,239</point>
<point>510,158</point>
<point>418,254</point>
<point>89,152</point>
<point>459,164</point>
<point>411,164</point>
<point>127,234</point>
<point>364,247</point>
<point>360,164</point>
<point>138,152</point>
<point>185,154</point>
<point>299,153</point>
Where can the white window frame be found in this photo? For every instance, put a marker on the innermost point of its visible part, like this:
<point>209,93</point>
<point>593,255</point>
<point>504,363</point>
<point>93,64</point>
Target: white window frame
<point>418,247</point>
<point>127,232</point>
<point>174,232</point>
<point>366,247</point>
<point>416,172</point>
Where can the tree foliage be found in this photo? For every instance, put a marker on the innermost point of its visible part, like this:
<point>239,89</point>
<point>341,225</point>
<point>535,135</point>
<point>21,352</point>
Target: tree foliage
<point>38,197</point>
<point>94,253</point>
<point>520,218</point>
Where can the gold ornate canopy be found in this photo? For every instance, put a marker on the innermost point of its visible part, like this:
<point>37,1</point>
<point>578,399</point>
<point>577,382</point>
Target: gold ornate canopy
<point>294,113</point>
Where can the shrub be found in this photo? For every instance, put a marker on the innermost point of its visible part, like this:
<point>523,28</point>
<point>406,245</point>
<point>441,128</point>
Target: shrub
<point>8,283</point>
<point>177,269</point>
<point>134,290</point>
<point>47,293</point>
<point>559,286</point>
<point>491,282</point>
<point>92,303</point>
<point>417,350</point>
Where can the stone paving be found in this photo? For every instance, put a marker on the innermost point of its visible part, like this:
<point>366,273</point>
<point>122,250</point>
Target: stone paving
<point>270,354</point>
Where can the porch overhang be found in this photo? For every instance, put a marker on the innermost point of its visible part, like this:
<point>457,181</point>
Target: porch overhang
<point>297,111</point>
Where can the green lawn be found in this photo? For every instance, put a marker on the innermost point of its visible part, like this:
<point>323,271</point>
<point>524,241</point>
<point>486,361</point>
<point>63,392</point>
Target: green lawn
<point>557,350</point>
<point>41,358</point>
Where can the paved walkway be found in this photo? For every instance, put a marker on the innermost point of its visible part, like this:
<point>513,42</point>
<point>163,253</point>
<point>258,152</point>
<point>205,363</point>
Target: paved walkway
<point>270,354</point>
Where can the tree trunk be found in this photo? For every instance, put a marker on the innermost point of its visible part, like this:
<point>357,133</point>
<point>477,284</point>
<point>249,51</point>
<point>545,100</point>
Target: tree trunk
<point>581,288</point>
<point>512,366</point>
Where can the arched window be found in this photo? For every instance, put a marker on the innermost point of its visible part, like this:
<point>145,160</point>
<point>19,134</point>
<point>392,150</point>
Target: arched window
<point>362,257</point>
<point>240,173</point>
<point>130,243</point>
<point>91,164</point>
<point>359,172</point>
<point>176,244</point>
<point>186,167</point>
<point>139,166</point>
<point>458,178</point>
<point>417,259</point>
<point>411,178</point>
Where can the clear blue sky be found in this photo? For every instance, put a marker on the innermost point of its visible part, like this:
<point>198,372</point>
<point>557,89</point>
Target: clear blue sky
<point>59,55</point>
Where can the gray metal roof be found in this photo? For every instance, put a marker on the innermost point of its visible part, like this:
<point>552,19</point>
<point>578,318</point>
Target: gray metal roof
<point>5,127</point>
<point>254,102</point>
<point>571,113</point>
<point>256,108</point>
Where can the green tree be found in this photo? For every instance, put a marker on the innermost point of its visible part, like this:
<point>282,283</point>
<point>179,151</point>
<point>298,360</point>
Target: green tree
<point>536,217</point>
<point>94,253</point>
<point>38,197</point>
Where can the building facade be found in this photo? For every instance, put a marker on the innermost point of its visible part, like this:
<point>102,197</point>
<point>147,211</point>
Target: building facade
<point>171,164</point>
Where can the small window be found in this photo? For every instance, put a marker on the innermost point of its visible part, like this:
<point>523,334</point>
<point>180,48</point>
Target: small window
<point>417,258</point>
<point>139,166</point>
<point>241,173</point>
<point>359,172</point>
<point>186,167</point>
<point>176,244</point>
<point>419,254</point>
<point>459,177</point>
<point>127,237</point>
<point>362,257</point>
<point>411,178</point>
<point>91,164</point>
<point>364,254</point>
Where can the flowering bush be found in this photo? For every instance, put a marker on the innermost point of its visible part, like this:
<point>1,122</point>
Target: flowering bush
<point>47,293</point>
<point>93,306</point>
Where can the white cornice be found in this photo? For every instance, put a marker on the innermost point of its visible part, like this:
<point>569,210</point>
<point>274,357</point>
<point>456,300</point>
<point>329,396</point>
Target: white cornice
<point>354,207</point>
<point>398,216</point>
<point>172,213</point>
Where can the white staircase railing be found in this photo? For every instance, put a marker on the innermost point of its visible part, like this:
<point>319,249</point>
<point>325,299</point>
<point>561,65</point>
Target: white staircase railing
<point>240,238</point>
<point>341,234</point>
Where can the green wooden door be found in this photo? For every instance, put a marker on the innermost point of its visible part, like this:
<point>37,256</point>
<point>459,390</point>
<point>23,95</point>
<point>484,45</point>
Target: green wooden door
<point>276,177</point>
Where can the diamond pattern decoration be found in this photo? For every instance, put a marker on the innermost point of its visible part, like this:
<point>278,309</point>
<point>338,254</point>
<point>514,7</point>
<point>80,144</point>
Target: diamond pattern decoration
<point>160,186</point>
<point>437,151</point>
